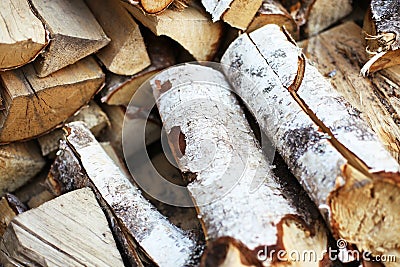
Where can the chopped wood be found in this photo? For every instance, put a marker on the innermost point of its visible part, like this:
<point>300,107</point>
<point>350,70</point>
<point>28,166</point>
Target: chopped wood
<point>10,206</point>
<point>23,35</point>
<point>94,117</point>
<point>313,16</point>
<point>126,53</point>
<point>199,36</point>
<point>229,178</point>
<point>19,162</point>
<point>34,106</point>
<point>119,90</point>
<point>382,30</point>
<point>180,5</point>
<point>162,242</point>
<point>69,229</point>
<point>329,148</point>
<point>74,34</point>
<point>339,53</point>
<point>272,12</point>
<point>237,13</point>
<point>151,6</point>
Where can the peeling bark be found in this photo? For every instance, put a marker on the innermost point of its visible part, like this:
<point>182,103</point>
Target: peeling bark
<point>328,147</point>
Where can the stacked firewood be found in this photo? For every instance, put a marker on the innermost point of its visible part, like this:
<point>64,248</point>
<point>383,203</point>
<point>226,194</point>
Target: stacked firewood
<point>319,79</point>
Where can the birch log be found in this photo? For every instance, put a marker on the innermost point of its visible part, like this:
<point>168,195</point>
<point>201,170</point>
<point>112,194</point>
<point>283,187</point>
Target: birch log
<point>237,13</point>
<point>22,36</point>
<point>162,242</point>
<point>328,147</point>
<point>74,34</point>
<point>272,12</point>
<point>34,106</point>
<point>338,54</point>
<point>19,162</point>
<point>314,16</point>
<point>69,230</point>
<point>126,53</point>
<point>382,30</point>
<point>230,180</point>
<point>200,37</point>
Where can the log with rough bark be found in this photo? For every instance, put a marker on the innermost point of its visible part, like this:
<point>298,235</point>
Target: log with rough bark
<point>199,36</point>
<point>150,6</point>
<point>272,12</point>
<point>126,53</point>
<point>69,229</point>
<point>34,106</point>
<point>382,30</point>
<point>141,224</point>
<point>23,35</point>
<point>328,147</point>
<point>10,206</point>
<point>19,162</point>
<point>230,180</point>
<point>314,16</point>
<point>237,13</point>
<point>94,117</point>
<point>119,90</point>
<point>74,34</point>
<point>338,54</point>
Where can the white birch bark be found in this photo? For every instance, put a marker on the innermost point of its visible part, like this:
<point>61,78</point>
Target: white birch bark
<point>216,7</point>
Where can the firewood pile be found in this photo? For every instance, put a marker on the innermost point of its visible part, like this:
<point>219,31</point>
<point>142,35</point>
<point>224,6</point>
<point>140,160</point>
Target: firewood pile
<point>199,133</point>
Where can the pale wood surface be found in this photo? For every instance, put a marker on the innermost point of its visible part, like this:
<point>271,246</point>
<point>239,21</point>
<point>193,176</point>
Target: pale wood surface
<point>126,53</point>
<point>22,34</point>
<point>74,33</point>
<point>70,229</point>
<point>241,13</point>
<point>34,106</point>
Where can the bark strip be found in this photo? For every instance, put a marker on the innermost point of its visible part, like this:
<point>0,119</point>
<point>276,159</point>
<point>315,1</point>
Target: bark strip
<point>327,146</point>
<point>237,197</point>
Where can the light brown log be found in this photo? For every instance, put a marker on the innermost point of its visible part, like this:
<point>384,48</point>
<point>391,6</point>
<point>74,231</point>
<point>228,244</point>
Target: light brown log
<point>271,11</point>
<point>74,34</point>
<point>19,162</point>
<point>228,177</point>
<point>200,37</point>
<point>329,148</point>
<point>313,16</point>
<point>94,117</point>
<point>381,32</point>
<point>151,6</point>
<point>10,206</point>
<point>70,229</point>
<point>34,106</point>
<point>338,54</point>
<point>141,224</point>
<point>22,34</point>
<point>126,53</point>
<point>119,90</point>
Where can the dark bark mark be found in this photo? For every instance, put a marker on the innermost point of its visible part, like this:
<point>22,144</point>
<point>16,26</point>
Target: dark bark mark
<point>16,205</point>
<point>177,138</point>
<point>162,88</point>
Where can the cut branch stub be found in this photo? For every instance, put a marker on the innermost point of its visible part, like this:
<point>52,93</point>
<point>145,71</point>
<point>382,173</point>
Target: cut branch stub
<point>328,147</point>
<point>35,105</point>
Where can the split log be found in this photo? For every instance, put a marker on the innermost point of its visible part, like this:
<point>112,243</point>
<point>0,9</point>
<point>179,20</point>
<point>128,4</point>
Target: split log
<point>19,162</point>
<point>94,117</point>
<point>339,53</point>
<point>74,34</point>
<point>329,148</point>
<point>313,16</point>
<point>10,206</point>
<point>22,36</point>
<point>119,90</point>
<point>232,183</point>
<point>237,13</point>
<point>382,30</point>
<point>200,37</point>
<point>126,53</point>
<point>162,242</point>
<point>69,229</point>
<point>151,6</point>
<point>272,12</point>
<point>34,106</point>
